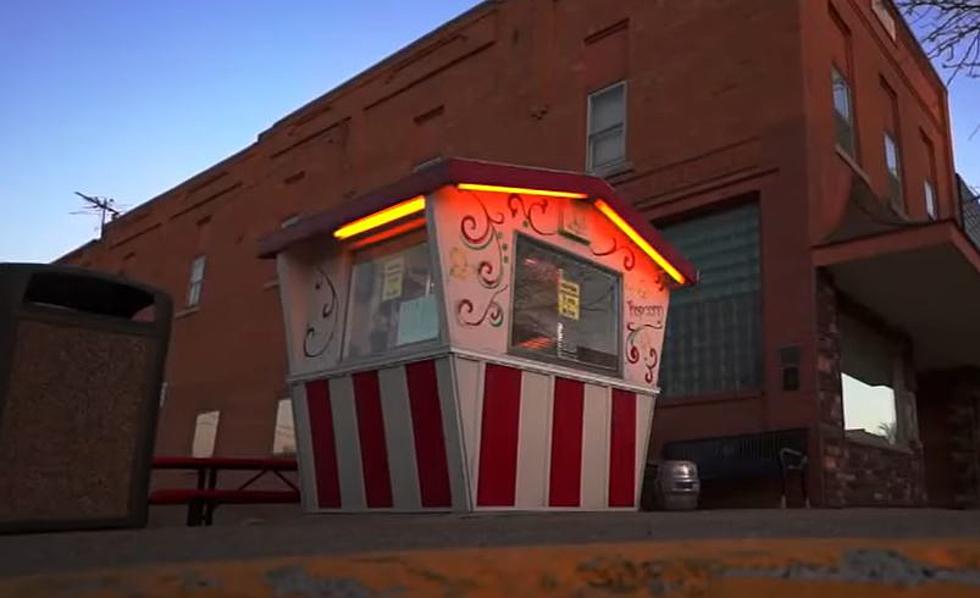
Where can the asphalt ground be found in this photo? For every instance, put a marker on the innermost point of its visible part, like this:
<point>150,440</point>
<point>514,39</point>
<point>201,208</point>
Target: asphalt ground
<point>285,532</point>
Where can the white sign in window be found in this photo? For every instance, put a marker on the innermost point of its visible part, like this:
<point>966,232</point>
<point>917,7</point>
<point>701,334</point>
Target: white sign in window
<point>284,441</point>
<point>205,434</point>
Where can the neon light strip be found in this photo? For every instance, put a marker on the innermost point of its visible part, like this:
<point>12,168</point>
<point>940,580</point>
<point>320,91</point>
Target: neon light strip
<point>389,233</point>
<point>522,190</point>
<point>634,236</point>
<point>381,218</point>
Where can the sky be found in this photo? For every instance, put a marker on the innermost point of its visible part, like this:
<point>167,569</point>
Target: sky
<point>126,99</point>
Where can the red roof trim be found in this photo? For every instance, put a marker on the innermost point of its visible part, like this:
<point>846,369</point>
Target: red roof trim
<point>453,171</point>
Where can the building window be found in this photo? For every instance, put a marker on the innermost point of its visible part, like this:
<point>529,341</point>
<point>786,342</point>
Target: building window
<point>205,434</point>
<point>565,309</point>
<point>713,343</point>
<point>929,191</point>
<point>284,440</point>
<point>894,167</point>
<point>392,298</point>
<point>196,282</point>
<point>843,112</point>
<point>868,363</point>
<point>607,127</point>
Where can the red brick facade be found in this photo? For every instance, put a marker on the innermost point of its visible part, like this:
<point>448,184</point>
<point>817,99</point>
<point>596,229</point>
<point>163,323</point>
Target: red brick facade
<point>728,100</point>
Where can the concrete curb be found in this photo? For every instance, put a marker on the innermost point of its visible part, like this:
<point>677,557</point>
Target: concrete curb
<point>801,568</point>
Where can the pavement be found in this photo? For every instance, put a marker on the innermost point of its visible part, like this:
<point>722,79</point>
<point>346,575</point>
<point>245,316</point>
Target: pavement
<point>285,533</point>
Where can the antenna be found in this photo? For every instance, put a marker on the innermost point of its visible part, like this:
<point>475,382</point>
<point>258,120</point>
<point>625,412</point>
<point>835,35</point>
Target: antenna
<point>104,206</point>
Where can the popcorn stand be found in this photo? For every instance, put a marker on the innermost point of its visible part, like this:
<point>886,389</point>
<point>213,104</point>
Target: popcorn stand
<point>476,336</point>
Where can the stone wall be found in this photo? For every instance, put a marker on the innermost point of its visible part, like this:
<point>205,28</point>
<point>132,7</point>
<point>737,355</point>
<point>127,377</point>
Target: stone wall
<point>857,473</point>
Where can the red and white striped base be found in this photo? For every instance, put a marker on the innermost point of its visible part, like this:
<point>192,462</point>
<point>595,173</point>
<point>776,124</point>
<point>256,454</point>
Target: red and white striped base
<point>460,434</point>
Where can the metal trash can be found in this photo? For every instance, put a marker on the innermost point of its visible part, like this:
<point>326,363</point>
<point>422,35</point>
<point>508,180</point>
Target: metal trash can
<point>673,485</point>
<point>81,366</point>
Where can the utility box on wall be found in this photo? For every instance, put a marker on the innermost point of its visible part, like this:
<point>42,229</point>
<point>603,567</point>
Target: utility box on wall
<point>81,367</point>
<point>476,336</point>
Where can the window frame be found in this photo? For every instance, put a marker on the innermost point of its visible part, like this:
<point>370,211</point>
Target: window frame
<point>411,239</point>
<point>929,197</point>
<point>851,118</point>
<point>555,359</point>
<point>590,165</point>
<point>896,181</point>
<point>195,287</point>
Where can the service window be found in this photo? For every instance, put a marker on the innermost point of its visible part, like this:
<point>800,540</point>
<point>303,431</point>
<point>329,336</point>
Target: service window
<point>565,309</point>
<point>392,298</point>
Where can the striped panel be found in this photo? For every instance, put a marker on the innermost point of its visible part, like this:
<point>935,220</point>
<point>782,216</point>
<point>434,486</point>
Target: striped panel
<point>565,482</point>
<point>323,444</point>
<point>429,440</point>
<point>348,444</point>
<point>469,397</point>
<point>622,450</point>
<point>644,421</point>
<point>371,430</point>
<point>499,436</point>
<point>453,431</point>
<point>535,441</point>
<point>399,438</point>
<point>595,447</point>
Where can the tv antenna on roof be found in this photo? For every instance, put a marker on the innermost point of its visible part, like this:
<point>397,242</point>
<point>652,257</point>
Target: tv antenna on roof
<point>106,207</point>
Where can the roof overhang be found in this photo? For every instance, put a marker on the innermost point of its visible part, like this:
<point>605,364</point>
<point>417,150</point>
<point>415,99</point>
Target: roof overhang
<point>923,280</point>
<point>472,172</point>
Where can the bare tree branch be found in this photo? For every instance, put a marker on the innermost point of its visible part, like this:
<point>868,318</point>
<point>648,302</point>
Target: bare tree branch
<point>949,31</point>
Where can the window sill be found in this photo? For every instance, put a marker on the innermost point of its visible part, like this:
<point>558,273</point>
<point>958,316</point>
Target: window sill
<point>613,170</point>
<point>187,312</point>
<point>850,161</point>
<point>883,445</point>
<point>741,395</point>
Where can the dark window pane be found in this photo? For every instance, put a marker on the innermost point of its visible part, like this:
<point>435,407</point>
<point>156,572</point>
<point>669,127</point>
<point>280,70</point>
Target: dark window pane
<point>713,341</point>
<point>565,309</point>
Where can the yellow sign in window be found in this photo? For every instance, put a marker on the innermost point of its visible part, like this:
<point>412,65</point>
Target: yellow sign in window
<point>568,299</point>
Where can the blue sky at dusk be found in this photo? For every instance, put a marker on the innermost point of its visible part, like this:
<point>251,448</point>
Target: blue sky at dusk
<point>127,99</point>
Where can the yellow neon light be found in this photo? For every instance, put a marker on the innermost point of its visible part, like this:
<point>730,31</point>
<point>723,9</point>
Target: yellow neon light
<point>634,236</point>
<point>522,190</point>
<point>381,218</point>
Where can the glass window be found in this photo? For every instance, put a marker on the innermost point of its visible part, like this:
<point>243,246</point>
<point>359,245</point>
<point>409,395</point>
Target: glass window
<point>196,282</point>
<point>844,117</point>
<point>284,440</point>
<point>205,434</point>
<point>607,127</point>
<point>868,383</point>
<point>392,298</point>
<point>892,163</point>
<point>930,195</point>
<point>565,309</point>
<point>713,342</point>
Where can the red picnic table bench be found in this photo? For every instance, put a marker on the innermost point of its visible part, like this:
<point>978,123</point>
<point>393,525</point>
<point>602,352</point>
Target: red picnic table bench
<point>202,501</point>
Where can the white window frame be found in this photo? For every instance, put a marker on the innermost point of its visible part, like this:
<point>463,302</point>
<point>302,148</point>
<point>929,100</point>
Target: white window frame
<point>589,134</point>
<point>849,118</point>
<point>929,191</point>
<point>895,176</point>
<point>195,284</point>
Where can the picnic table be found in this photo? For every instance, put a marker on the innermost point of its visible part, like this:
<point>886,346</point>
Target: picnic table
<point>206,497</point>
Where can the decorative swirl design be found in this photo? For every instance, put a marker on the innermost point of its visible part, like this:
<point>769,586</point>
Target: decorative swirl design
<point>478,236</point>
<point>492,313</point>
<point>629,257</point>
<point>321,331</point>
<point>634,354</point>
<point>517,206</point>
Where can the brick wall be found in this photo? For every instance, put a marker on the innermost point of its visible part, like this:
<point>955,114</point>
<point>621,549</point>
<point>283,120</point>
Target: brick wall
<point>856,474</point>
<point>949,404</point>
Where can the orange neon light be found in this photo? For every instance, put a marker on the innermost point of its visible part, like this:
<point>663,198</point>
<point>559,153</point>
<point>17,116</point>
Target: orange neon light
<point>401,229</point>
<point>381,218</point>
<point>522,190</point>
<point>634,236</point>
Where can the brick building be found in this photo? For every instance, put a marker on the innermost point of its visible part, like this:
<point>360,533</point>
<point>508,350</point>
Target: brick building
<point>798,152</point>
